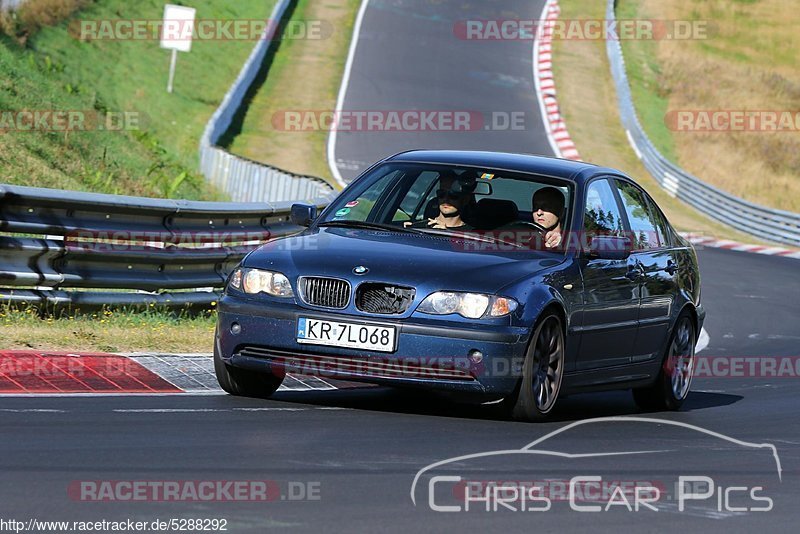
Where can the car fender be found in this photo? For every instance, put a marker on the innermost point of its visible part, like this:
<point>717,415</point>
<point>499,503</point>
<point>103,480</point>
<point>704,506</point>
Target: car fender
<point>535,297</point>
<point>560,288</point>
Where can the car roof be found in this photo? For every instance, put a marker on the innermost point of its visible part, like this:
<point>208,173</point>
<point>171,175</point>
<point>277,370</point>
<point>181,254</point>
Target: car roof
<point>577,171</point>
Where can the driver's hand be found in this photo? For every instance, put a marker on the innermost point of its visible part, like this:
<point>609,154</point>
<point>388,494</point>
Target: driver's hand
<point>552,239</point>
<point>434,223</point>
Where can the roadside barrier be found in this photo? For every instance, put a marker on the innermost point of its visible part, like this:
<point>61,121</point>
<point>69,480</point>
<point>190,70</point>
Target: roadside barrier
<point>89,250</point>
<point>760,221</point>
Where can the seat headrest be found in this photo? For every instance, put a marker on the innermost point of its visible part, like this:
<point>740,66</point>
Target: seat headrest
<point>493,212</point>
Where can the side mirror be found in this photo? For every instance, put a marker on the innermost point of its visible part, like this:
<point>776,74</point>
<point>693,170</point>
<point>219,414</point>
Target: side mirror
<point>303,214</point>
<point>610,247</point>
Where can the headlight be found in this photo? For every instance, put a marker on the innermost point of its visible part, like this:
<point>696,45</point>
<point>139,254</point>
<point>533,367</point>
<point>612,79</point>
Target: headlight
<point>469,305</point>
<point>254,281</point>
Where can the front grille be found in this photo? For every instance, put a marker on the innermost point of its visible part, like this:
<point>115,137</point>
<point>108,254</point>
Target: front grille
<point>343,366</point>
<point>325,292</point>
<point>384,298</point>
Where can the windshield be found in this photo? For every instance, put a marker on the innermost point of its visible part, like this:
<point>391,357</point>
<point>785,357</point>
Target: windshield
<point>481,203</point>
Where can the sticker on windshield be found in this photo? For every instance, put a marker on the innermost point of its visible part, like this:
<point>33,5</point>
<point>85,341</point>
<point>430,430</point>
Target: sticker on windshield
<point>342,212</point>
<point>352,204</point>
<point>487,176</point>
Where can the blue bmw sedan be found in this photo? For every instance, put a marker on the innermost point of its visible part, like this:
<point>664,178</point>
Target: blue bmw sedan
<point>487,275</point>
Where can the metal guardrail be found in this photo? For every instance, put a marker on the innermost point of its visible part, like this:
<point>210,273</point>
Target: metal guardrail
<point>92,241</point>
<point>245,180</point>
<point>67,249</point>
<point>760,221</point>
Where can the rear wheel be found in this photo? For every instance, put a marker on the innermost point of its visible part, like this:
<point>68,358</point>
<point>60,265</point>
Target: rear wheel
<point>542,372</point>
<point>675,377</point>
<point>245,383</point>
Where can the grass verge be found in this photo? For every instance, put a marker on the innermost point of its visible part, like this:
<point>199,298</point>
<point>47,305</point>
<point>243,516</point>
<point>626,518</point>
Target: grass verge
<point>305,75</point>
<point>56,70</point>
<point>588,101</point>
<point>744,60</point>
<point>107,331</point>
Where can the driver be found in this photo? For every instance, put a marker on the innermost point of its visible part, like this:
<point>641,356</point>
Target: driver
<point>548,207</point>
<point>453,196</point>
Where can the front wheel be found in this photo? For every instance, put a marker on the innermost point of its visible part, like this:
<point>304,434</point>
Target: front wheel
<point>244,383</point>
<point>542,372</point>
<point>675,377</point>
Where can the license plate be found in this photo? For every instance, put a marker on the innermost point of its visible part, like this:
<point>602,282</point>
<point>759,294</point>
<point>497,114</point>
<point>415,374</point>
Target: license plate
<point>355,336</point>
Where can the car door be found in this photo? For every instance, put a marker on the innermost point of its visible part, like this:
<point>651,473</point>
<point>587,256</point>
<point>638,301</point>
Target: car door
<point>610,287</point>
<point>656,259</point>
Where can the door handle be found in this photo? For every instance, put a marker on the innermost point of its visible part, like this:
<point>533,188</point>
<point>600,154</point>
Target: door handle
<point>671,267</point>
<point>635,271</point>
<point>633,275</point>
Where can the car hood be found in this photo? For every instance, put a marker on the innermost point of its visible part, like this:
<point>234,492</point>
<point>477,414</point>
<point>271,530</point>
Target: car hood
<point>417,260</point>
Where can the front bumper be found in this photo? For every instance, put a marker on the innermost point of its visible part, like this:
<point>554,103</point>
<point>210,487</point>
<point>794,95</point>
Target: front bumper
<point>431,353</point>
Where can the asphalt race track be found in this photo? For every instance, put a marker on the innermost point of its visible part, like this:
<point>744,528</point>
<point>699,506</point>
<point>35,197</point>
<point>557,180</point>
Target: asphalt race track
<point>409,56</point>
<point>360,449</point>
<point>345,460</point>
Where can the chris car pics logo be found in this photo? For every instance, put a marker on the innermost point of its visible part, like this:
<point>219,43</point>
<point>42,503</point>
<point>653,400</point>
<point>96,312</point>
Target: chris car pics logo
<point>442,489</point>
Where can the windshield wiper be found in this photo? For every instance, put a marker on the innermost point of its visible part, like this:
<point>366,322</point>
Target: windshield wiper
<point>469,235</point>
<point>370,226</point>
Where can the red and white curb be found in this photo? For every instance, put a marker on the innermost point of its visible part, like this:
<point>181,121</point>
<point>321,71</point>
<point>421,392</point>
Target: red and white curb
<point>97,373</point>
<point>556,128</point>
<point>31,373</point>
<point>564,147</point>
<point>712,242</point>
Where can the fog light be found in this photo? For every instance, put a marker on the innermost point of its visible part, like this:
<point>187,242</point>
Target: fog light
<point>475,356</point>
<point>236,329</point>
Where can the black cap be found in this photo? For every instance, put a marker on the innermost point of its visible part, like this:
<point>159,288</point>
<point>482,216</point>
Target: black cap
<point>551,199</point>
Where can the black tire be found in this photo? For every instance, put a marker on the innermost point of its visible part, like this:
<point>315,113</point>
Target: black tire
<point>674,379</point>
<point>245,383</point>
<point>541,378</point>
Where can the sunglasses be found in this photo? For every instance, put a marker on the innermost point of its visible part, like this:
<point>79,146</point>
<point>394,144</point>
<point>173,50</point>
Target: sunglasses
<point>442,194</point>
<point>544,206</point>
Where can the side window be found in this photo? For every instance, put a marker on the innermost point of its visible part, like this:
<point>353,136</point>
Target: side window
<point>601,214</point>
<point>643,229</point>
<point>662,227</point>
<point>414,197</point>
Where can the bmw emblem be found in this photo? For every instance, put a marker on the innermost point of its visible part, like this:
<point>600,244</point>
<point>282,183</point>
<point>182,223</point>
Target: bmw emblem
<point>360,270</point>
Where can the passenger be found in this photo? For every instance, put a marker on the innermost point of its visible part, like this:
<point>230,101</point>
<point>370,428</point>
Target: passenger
<point>548,208</point>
